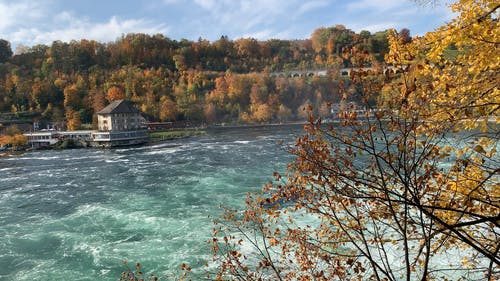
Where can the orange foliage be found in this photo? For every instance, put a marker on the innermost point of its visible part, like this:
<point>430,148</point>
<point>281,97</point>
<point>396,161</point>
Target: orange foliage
<point>115,93</point>
<point>16,141</point>
<point>71,97</point>
<point>73,120</point>
<point>168,109</point>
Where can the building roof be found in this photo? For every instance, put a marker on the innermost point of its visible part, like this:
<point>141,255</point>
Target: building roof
<point>119,106</point>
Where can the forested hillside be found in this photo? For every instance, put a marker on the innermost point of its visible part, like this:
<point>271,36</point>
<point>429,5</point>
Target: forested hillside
<point>169,80</point>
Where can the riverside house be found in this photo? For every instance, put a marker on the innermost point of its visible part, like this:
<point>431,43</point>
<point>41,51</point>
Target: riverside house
<point>119,124</point>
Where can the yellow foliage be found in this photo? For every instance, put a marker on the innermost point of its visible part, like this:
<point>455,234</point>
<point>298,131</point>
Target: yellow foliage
<point>17,140</point>
<point>458,92</point>
<point>71,97</point>
<point>461,87</point>
<point>262,113</point>
<point>408,181</point>
<point>73,120</point>
<point>168,109</point>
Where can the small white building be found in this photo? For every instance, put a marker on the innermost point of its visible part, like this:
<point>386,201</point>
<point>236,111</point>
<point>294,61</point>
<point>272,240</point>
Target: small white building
<point>119,123</point>
<point>119,115</point>
<point>41,139</point>
<point>48,138</point>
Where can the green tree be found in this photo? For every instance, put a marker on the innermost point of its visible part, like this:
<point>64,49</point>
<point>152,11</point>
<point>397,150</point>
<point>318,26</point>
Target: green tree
<point>379,44</point>
<point>5,51</point>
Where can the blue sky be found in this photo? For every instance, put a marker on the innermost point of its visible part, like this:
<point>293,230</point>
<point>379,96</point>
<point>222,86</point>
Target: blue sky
<point>30,22</point>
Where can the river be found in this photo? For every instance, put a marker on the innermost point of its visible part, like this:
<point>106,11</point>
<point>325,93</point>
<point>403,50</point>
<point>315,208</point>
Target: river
<point>77,214</point>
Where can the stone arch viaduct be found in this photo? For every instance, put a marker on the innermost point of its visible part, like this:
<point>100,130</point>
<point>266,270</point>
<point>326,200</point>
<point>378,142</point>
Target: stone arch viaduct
<point>344,72</point>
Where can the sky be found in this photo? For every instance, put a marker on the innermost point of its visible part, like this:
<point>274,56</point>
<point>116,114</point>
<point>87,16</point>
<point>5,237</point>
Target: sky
<point>32,22</point>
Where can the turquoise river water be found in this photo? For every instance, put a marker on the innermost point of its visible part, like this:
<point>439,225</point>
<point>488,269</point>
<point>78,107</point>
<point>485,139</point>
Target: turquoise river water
<point>76,214</point>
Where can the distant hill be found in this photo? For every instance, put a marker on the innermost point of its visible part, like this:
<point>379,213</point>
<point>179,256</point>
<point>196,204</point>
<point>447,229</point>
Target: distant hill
<point>169,80</point>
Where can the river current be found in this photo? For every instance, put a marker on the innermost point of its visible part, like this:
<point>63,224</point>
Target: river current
<point>77,214</point>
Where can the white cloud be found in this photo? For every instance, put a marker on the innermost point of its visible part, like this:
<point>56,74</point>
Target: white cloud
<point>312,5</point>
<point>384,14</point>
<point>31,22</point>
<point>288,34</point>
<point>206,4</point>
<point>64,16</point>
<point>259,35</point>
<point>13,14</point>
<point>377,6</point>
<point>80,29</point>
<point>374,27</point>
<point>245,16</point>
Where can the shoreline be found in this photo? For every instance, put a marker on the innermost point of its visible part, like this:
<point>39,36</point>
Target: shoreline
<point>252,126</point>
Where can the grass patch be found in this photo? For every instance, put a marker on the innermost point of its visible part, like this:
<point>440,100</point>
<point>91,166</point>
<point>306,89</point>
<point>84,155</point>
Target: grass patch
<point>173,134</point>
<point>87,127</point>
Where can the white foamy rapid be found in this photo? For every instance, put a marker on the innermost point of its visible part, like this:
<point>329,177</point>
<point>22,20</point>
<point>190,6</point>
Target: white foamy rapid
<point>76,214</point>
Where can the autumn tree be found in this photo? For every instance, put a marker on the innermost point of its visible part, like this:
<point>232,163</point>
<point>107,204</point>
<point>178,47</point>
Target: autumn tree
<point>262,113</point>
<point>404,191</point>
<point>168,109</point>
<point>17,141</point>
<point>147,67</point>
<point>73,120</point>
<point>210,112</point>
<point>404,35</point>
<point>71,97</point>
<point>304,110</point>
<point>115,93</point>
<point>38,94</point>
<point>13,137</point>
<point>283,113</point>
